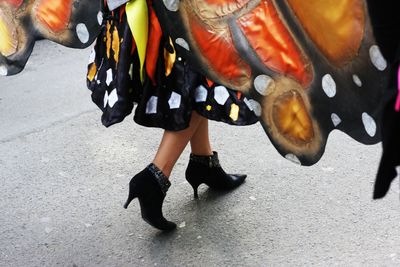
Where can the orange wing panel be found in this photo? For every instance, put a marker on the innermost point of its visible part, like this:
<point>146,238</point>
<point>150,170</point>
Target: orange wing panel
<point>335,26</point>
<point>220,46</point>
<point>54,14</point>
<point>273,43</point>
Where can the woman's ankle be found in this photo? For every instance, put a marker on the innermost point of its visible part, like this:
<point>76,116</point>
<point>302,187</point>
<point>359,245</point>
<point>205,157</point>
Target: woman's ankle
<point>164,167</point>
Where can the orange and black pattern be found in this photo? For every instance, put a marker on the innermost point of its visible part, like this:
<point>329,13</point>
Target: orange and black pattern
<point>73,23</point>
<point>308,67</point>
<point>171,91</point>
<point>302,68</point>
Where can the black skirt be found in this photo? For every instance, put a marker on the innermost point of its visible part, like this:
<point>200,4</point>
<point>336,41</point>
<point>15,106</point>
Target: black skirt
<point>165,99</point>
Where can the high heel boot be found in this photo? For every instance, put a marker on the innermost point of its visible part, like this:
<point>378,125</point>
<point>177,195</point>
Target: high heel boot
<point>207,170</point>
<point>150,187</point>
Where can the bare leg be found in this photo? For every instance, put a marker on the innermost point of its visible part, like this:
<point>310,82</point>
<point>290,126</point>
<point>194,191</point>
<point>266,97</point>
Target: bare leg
<point>200,142</point>
<point>173,143</point>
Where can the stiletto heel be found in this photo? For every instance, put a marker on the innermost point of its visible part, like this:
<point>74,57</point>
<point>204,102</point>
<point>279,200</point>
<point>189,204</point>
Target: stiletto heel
<point>150,187</point>
<point>193,181</point>
<point>207,170</point>
<point>131,195</point>
<point>195,188</point>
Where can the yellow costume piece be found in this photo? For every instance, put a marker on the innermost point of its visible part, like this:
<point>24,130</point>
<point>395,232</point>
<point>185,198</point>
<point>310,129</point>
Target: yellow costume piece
<point>137,14</point>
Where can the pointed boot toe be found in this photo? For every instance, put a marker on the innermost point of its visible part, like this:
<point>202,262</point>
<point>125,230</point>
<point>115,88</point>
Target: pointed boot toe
<point>207,170</point>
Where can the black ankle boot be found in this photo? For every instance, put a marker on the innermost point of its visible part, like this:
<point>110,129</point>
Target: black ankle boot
<point>206,169</point>
<point>150,187</point>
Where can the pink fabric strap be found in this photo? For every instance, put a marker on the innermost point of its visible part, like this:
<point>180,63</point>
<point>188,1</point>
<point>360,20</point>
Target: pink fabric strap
<point>397,105</point>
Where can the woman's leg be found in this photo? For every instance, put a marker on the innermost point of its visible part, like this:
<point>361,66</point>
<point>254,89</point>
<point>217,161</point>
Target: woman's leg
<point>146,185</point>
<point>173,143</point>
<point>200,142</point>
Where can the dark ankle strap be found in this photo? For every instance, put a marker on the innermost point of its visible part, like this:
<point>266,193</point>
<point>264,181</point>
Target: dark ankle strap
<point>161,179</point>
<point>210,161</point>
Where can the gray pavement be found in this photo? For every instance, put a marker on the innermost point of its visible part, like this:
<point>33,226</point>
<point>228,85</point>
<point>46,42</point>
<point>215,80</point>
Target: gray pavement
<point>64,177</point>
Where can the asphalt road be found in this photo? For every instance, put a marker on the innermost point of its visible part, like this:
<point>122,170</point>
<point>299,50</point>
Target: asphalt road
<point>64,177</point>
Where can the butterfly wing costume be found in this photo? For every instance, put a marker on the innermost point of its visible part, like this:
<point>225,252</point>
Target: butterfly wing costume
<point>73,23</point>
<point>301,68</point>
<point>307,67</point>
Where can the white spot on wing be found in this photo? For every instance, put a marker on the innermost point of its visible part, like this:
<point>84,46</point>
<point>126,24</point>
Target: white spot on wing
<point>3,71</point>
<point>82,32</point>
<point>112,98</point>
<point>171,5</point>
<point>248,104</point>
<point>377,58</point>
<point>293,159</point>
<point>369,124</point>
<point>100,17</point>
<point>256,107</point>
<point>174,101</point>
<point>329,85</point>
<point>200,94</point>
<point>151,107</point>
<point>357,80</point>
<point>109,78</point>
<point>261,84</point>
<point>336,120</point>
<point>221,94</point>
<point>182,43</point>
